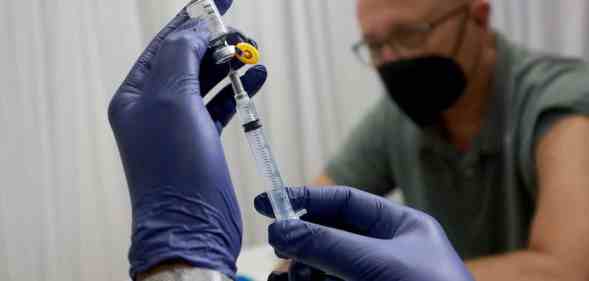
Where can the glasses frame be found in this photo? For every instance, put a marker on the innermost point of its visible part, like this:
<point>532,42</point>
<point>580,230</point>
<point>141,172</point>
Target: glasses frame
<point>425,28</point>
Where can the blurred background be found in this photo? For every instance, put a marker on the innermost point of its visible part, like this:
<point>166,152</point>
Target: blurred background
<point>64,207</point>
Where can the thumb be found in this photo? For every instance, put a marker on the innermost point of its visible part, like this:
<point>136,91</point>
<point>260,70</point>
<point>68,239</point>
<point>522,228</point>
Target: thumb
<point>343,208</point>
<point>327,249</point>
<point>222,107</point>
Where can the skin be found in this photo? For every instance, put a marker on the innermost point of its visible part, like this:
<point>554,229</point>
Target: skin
<point>476,51</point>
<point>559,242</point>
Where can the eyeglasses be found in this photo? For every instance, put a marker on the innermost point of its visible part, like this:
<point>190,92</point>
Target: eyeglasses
<point>404,39</point>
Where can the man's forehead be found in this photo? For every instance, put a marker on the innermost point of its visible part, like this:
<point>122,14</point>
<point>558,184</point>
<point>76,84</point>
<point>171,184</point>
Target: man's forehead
<point>377,16</point>
<point>396,4</point>
<point>417,7</point>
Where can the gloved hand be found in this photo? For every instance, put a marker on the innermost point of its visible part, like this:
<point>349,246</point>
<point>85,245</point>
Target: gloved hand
<point>183,203</point>
<point>352,235</point>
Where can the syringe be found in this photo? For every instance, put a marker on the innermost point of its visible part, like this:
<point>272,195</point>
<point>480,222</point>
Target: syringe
<point>260,148</point>
<point>265,163</point>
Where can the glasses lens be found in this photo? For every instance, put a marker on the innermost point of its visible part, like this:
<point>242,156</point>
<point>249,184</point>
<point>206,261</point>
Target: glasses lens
<point>410,39</point>
<point>363,53</point>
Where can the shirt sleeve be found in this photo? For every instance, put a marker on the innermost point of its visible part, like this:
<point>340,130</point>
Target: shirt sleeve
<point>363,161</point>
<point>564,92</point>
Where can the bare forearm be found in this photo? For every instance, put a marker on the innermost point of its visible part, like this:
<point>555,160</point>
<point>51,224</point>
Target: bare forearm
<point>524,266</point>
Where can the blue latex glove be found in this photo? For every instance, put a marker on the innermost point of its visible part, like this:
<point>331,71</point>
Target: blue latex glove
<point>183,203</point>
<point>353,235</point>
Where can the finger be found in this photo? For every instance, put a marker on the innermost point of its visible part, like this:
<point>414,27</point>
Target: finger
<point>222,107</point>
<point>327,249</point>
<point>236,36</point>
<point>135,78</point>
<point>177,63</point>
<point>216,72</point>
<point>343,208</point>
<point>137,74</point>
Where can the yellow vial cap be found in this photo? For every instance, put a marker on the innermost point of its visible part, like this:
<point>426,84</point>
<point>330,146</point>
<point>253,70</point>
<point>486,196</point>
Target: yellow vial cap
<point>247,53</point>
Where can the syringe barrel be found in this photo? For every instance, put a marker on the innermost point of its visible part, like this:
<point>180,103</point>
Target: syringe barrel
<point>207,10</point>
<point>268,169</point>
<point>265,163</point>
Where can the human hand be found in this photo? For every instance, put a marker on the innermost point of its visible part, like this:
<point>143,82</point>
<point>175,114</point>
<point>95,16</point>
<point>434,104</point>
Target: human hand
<point>183,203</point>
<point>352,235</point>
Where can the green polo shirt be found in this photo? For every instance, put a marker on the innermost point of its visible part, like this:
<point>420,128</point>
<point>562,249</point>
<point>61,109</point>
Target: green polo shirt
<point>485,198</point>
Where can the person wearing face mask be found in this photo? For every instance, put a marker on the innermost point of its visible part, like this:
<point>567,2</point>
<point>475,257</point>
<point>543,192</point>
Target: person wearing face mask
<point>484,135</point>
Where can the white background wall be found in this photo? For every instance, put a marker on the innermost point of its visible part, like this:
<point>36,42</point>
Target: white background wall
<point>63,202</point>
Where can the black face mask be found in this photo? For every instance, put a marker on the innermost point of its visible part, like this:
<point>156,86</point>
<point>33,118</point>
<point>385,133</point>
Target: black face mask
<point>424,87</point>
